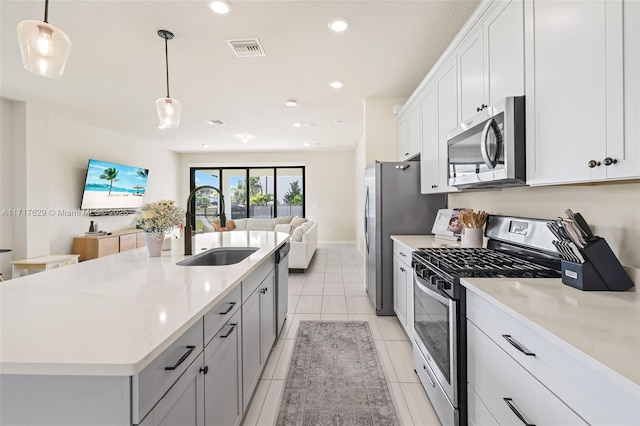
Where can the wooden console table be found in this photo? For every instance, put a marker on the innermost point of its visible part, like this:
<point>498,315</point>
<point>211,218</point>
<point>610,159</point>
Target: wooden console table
<point>94,246</point>
<point>42,263</point>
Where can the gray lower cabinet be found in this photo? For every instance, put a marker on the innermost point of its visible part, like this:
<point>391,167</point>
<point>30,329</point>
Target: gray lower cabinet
<point>258,333</point>
<point>184,403</point>
<point>223,380</point>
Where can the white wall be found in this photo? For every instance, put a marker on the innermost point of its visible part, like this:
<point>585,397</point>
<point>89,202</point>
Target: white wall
<point>379,142</point>
<point>611,210</point>
<point>50,156</point>
<point>328,194</point>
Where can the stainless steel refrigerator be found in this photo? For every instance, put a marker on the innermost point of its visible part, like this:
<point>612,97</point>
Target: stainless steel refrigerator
<point>393,205</point>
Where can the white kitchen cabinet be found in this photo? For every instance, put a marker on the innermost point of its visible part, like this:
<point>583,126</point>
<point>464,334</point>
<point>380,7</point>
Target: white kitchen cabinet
<point>183,404</point>
<point>447,120</point>
<point>503,32</point>
<point>409,132</point>
<point>508,357</point>
<point>630,167</point>
<point>574,103</point>
<point>508,390</point>
<point>491,59</point>
<point>471,74</point>
<point>404,144</point>
<point>403,286</point>
<point>429,156</point>
<point>258,333</point>
<point>223,380</point>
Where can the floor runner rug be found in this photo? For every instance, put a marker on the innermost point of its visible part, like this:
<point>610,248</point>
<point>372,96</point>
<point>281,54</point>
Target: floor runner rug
<point>335,378</point>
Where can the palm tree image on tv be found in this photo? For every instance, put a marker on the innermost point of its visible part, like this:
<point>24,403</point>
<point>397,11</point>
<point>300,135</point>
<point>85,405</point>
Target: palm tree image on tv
<point>110,174</point>
<point>114,186</point>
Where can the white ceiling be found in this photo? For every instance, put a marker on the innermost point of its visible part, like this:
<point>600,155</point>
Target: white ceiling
<point>116,69</point>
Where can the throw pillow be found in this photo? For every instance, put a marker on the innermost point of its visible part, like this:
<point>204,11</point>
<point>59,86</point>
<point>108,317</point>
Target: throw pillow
<point>230,226</point>
<point>283,227</point>
<point>297,221</point>
<point>206,226</point>
<point>260,224</point>
<point>283,219</point>
<point>297,233</point>
<point>241,224</point>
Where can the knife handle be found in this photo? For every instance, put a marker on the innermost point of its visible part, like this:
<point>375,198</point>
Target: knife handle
<point>583,225</point>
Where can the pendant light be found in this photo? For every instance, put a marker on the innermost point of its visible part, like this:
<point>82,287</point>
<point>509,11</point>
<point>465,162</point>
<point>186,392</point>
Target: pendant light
<point>44,48</point>
<point>168,109</point>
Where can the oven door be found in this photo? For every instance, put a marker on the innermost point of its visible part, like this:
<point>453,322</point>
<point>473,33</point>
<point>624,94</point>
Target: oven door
<point>435,327</point>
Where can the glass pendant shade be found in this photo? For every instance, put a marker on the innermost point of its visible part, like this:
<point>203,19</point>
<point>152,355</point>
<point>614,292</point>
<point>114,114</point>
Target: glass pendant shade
<point>45,48</point>
<point>168,112</point>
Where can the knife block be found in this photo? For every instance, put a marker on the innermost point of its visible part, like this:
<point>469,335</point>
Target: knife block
<point>601,270</point>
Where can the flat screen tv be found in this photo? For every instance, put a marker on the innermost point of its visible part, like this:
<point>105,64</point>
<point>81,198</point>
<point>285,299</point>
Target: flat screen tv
<point>113,186</point>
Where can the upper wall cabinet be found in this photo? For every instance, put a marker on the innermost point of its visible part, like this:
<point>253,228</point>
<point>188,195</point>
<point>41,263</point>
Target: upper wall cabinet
<point>409,131</point>
<point>575,91</point>
<point>491,59</point>
<point>439,108</point>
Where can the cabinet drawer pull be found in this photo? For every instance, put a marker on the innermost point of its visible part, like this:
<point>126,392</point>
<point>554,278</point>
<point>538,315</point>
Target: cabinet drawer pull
<point>231,305</point>
<point>426,371</point>
<point>233,327</point>
<point>518,345</point>
<point>182,358</point>
<point>516,412</point>
<point>402,254</point>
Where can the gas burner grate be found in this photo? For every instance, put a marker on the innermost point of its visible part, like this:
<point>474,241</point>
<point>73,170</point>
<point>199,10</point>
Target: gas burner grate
<point>482,262</point>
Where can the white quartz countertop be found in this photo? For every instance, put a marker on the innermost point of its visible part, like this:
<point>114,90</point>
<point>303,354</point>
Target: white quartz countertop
<point>416,242</point>
<point>602,328</point>
<point>113,315</point>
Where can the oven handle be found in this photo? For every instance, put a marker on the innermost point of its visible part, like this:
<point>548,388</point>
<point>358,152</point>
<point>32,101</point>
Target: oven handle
<point>430,292</point>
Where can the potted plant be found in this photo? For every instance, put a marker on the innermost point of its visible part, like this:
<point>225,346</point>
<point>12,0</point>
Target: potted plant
<point>157,219</point>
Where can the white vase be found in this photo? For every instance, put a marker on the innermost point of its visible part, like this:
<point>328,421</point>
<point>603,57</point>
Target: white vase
<point>154,245</point>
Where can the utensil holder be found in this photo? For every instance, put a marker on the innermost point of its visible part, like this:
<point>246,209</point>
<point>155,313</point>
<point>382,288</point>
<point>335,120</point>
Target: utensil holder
<point>601,270</point>
<point>471,237</point>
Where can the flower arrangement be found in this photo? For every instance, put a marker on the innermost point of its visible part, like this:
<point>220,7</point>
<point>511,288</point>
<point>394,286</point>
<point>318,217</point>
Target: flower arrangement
<point>158,218</point>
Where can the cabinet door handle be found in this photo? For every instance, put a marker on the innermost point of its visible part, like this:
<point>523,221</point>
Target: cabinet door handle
<point>263,290</point>
<point>402,254</point>
<point>231,305</point>
<point>516,412</point>
<point>182,358</point>
<point>593,163</point>
<point>406,154</point>
<point>518,345</point>
<point>426,371</point>
<point>609,161</point>
<point>233,327</point>
<point>402,269</point>
<point>205,370</point>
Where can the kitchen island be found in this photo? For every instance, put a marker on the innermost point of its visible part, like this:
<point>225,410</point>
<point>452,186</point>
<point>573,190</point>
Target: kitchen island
<point>89,334</point>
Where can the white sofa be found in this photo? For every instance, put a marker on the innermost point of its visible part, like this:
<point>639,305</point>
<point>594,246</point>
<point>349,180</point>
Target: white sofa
<point>304,240</point>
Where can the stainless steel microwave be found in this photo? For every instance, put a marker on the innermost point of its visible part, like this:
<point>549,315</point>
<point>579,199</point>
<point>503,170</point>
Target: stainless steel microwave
<point>488,150</point>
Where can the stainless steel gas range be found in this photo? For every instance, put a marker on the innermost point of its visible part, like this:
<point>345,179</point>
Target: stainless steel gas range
<point>517,248</point>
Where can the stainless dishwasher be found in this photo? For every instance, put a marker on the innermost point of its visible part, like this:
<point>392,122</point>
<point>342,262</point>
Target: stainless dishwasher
<point>282,283</point>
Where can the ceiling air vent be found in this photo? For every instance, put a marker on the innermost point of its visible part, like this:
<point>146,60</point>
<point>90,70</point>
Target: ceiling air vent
<point>246,47</point>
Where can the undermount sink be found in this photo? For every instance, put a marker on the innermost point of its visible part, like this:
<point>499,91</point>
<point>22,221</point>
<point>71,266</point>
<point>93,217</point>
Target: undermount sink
<point>219,256</point>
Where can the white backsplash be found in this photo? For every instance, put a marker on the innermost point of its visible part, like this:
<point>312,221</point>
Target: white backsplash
<point>612,210</point>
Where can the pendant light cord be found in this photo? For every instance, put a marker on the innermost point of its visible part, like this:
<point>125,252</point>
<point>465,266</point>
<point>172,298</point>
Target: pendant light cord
<point>166,57</point>
<point>46,11</point>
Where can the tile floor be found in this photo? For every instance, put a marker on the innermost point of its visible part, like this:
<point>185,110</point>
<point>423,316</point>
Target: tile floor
<point>332,288</point>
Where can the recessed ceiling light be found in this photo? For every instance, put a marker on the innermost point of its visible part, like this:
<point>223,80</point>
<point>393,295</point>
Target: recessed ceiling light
<point>336,84</point>
<point>291,103</point>
<point>244,138</point>
<point>338,121</point>
<point>218,6</point>
<point>307,144</point>
<point>204,145</point>
<point>339,24</point>
<point>214,122</point>
<point>298,124</point>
